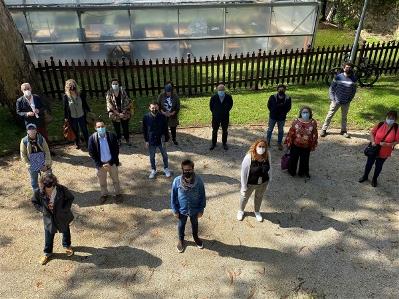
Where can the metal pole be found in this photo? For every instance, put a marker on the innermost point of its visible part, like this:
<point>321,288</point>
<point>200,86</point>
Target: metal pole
<point>357,36</point>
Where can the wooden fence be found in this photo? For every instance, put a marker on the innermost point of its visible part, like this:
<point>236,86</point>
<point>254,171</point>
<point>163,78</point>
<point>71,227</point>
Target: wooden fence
<point>193,75</point>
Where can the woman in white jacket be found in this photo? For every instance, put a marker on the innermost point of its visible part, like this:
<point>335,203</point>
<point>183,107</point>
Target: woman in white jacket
<point>255,176</point>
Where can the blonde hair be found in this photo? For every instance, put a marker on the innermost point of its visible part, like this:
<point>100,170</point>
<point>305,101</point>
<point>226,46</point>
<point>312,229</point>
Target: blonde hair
<point>252,149</point>
<point>68,84</point>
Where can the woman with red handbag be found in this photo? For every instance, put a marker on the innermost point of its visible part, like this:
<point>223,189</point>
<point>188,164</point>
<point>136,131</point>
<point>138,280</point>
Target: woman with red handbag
<point>385,135</point>
<point>301,140</point>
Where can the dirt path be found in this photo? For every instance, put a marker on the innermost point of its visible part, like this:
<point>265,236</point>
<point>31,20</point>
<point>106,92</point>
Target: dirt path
<point>329,236</point>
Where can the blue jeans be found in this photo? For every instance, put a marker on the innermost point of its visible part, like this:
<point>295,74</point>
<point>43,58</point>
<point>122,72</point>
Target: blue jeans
<point>152,150</point>
<point>379,162</point>
<point>280,126</point>
<point>34,179</point>
<point>49,240</point>
<point>182,225</point>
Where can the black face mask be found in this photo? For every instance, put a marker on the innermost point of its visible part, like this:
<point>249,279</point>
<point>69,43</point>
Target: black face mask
<point>48,185</point>
<point>281,92</point>
<point>188,174</point>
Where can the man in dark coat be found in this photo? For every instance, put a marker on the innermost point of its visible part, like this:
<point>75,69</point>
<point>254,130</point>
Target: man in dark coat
<point>104,150</point>
<point>30,109</point>
<point>220,106</point>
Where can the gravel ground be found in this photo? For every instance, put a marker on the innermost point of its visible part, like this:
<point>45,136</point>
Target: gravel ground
<point>325,237</point>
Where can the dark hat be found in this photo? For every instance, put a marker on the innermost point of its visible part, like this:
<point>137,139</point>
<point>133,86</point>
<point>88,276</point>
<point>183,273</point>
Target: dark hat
<point>30,126</point>
<point>168,87</point>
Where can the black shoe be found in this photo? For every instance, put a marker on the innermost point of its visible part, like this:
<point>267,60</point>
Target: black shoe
<point>323,133</point>
<point>103,199</point>
<point>199,243</point>
<point>374,183</point>
<point>212,147</point>
<point>225,147</point>
<point>118,198</point>
<point>180,246</point>
<point>363,179</point>
<point>175,142</point>
<point>307,176</point>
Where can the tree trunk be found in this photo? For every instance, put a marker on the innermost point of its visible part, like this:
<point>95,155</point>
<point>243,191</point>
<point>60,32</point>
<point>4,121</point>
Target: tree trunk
<point>15,64</point>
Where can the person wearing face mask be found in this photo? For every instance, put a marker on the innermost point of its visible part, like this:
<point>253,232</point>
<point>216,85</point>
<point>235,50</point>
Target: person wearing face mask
<point>169,105</point>
<point>75,110</point>
<point>220,106</point>
<point>341,92</point>
<point>255,176</point>
<point>35,154</point>
<point>119,108</point>
<point>104,150</point>
<point>301,140</point>
<point>54,201</point>
<point>30,108</point>
<point>156,133</point>
<point>188,200</point>
<point>385,135</point>
<point>279,105</point>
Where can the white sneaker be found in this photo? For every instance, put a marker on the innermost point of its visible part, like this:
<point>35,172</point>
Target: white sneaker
<point>152,174</point>
<point>166,171</point>
<point>258,216</point>
<point>240,215</point>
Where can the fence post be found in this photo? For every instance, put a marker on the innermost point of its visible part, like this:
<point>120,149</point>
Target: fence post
<point>189,74</point>
<point>305,67</point>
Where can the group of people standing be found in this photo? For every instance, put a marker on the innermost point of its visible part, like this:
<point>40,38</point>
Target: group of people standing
<point>188,199</point>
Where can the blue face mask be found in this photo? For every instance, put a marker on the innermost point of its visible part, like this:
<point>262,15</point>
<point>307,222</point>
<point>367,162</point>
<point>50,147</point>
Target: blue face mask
<point>305,115</point>
<point>389,121</point>
<point>101,131</point>
<point>221,93</point>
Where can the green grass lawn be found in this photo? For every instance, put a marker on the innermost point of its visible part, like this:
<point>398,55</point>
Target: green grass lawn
<point>368,107</point>
<point>333,36</point>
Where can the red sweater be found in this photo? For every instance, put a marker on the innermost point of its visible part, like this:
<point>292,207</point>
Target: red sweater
<point>379,133</point>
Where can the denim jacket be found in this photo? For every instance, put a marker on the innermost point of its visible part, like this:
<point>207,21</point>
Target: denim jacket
<point>188,202</point>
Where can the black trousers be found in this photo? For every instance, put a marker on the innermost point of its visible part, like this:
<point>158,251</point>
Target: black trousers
<point>173,133</point>
<point>216,123</point>
<point>301,154</point>
<point>125,128</point>
<point>379,162</point>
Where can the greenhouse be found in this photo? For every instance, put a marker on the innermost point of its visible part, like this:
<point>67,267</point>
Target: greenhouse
<point>138,29</point>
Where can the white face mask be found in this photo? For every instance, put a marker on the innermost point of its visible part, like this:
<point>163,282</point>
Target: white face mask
<point>260,150</point>
<point>389,121</point>
<point>27,93</point>
<point>115,87</point>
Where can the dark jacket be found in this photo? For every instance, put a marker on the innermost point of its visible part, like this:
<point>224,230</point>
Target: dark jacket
<point>67,111</point>
<point>221,111</point>
<point>154,128</point>
<point>94,149</point>
<point>23,107</point>
<point>173,120</point>
<point>62,216</point>
<point>279,107</point>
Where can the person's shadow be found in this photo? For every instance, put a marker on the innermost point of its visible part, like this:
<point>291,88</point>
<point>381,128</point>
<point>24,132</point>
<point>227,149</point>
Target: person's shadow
<point>112,257</point>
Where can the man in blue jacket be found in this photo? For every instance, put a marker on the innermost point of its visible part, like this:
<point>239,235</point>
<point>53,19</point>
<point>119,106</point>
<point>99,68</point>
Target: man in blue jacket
<point>220,106</point>
<point>279,105</point>
<point>341,92</point>
<point>104,150</point>
<point>155,126</point>
<point>188,200</point>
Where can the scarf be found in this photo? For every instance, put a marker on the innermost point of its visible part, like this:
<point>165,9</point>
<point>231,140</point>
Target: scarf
<point>187,184</point>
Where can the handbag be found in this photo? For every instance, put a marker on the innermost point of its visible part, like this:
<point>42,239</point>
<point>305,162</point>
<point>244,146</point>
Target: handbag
<point>373,150</point>
<point>285,160</point>
<point>69,134</point>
